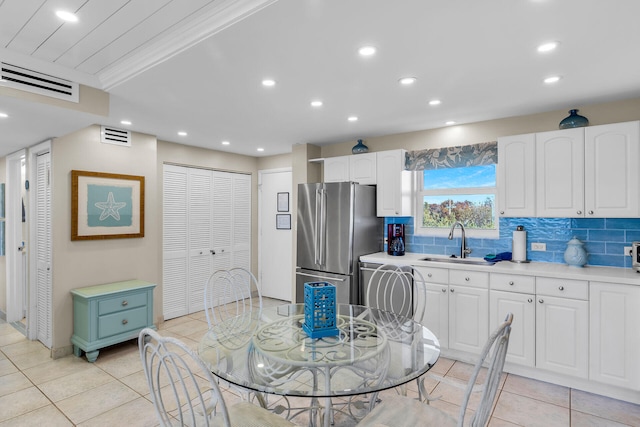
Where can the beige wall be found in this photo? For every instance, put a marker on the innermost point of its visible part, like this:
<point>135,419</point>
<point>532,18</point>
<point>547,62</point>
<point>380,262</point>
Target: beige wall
<point>84,263</point>
<point>598,114</point>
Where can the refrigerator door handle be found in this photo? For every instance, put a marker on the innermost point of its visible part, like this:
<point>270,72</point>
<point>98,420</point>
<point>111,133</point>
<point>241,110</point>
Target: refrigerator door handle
<point>323,226</point>
<point>334,279</point>
<point>316,223</point>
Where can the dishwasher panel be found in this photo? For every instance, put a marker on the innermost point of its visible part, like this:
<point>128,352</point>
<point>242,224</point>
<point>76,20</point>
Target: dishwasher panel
<point>366,272</point>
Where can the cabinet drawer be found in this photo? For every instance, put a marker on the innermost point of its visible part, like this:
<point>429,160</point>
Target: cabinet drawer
<point>477,279</point>
<point>434,275</point>
<point>513,283</point>
<point>563,288</point>
<point>121,302</point>
<point>124,321</point>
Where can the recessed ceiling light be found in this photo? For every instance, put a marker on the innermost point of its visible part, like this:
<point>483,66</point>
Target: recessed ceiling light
<point>547,47</point>
<point>268,82</point>
<point>260,149</point>
<point>182,133</point>
<point>316,103</point>
<point>407,80</point>
<point>367,50</point>
<point>125,122</point>
<point>353,118</point>
<point>3,115</point>
<point>435,102</point>
<point>225,143</point>
<point>450,122</point>
<point>66,16</point>
<point>552,79</point>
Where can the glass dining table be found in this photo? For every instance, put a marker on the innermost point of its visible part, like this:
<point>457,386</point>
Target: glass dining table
<point>269,352</point>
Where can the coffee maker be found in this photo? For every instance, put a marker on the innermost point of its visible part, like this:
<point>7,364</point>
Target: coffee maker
<point>395,239</point>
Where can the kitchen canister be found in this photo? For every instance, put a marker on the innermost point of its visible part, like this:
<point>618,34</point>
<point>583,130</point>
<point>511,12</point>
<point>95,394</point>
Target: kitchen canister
<point>575,255</point>
<point>519,245</point>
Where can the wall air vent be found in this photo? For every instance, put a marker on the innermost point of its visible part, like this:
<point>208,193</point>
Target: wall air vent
<point>35,82</point>
<point>115,136</point>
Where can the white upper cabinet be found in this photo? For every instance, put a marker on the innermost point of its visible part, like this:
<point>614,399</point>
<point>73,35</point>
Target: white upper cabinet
<point>560,173</point>
<point>612,181</point>
<point>516,175</point>
<point>394,189</point>
<point>589,172</point>
<point>360,168</point>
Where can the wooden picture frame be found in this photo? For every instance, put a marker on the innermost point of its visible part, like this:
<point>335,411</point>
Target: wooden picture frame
<point>106,206</point>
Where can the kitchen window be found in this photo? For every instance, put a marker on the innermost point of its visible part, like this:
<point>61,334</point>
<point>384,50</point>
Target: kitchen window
<point>448,194</point>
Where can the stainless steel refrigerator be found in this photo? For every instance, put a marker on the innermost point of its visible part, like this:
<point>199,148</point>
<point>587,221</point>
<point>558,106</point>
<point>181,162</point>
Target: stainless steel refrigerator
<point>337,223</point>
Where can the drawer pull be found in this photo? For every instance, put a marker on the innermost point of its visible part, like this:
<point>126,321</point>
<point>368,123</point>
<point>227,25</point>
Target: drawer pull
<point>561,288</point>
<point>451,290</point>
<point>429,275</point>
<point>511,283</point>
<point>444,290</point>
<point>579,212</point>
<point>467,279</point>
<point>530,300</point>
<point>541,301</point>
<point>125,303</point>
<point>125,321</point>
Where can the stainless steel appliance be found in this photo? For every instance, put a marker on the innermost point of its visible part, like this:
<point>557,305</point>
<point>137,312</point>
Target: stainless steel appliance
<point>366,272</point>
<point>635,253</point>
<point>337,223</point>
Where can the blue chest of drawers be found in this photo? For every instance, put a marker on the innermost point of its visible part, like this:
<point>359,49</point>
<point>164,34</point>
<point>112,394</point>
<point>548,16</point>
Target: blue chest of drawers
<point>108,314</point>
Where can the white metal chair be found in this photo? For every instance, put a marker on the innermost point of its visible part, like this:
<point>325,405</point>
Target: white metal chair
<point>403,411</point>
<point>185,393</point>
<point>231,293</point>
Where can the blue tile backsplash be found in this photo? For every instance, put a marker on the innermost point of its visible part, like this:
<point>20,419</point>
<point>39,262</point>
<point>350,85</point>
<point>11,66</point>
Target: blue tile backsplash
<point>604,239</point>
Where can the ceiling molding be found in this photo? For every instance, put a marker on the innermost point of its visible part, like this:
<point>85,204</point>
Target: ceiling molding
<point>220,16</point>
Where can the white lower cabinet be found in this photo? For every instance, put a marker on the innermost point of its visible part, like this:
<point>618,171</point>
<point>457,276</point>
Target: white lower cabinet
<point>614,317</point>
<point>437,312</point>
<point>522,341</point>
<point>562,326</point>
<point>468,310</point>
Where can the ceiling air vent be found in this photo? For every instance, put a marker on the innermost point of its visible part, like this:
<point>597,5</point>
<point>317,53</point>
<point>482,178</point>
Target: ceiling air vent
<point>35,82</point>
<point>115,136</point>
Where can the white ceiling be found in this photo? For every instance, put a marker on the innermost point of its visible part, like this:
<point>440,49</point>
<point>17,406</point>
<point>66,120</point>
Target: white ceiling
<point>197,65</point>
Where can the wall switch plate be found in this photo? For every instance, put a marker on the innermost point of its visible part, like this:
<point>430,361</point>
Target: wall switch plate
<point>539,247</point>
<point>627,251</point>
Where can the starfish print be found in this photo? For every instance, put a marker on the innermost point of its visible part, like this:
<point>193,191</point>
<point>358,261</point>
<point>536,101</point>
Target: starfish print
<point>110,208</point>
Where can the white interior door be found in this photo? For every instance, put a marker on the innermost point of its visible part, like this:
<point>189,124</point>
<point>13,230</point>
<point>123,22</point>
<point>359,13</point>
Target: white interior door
<point>44,292</point>
<point>15,277</point>
<point>275,245</point>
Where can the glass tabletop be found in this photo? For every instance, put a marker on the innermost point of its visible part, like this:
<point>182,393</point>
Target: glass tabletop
<point>270,352</point>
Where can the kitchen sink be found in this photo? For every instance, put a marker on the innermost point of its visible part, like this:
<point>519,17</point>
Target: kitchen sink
<point>459,261</point>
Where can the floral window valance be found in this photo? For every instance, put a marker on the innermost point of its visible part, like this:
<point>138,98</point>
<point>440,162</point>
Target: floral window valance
<point>485,153</point>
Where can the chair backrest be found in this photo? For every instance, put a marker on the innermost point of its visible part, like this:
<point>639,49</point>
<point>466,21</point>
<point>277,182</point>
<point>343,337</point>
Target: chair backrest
<point>400,290</point>
<point>493,354</point>
<point>231,293</point>
<point>176,375</point>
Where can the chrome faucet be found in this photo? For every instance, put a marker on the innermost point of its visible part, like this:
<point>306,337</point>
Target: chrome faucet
<point>463,243</point>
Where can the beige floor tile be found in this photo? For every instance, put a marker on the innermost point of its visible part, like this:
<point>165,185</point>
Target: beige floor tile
<point>56,368</point>
<point>125,362</point>
<point>11,337</point>
<point>138,382</point>
<point>21,402</point>
<point>13,382</point>
<point>7,367</point>
<point>497,422</point>
<point>22,347</point>
<point>442,366</point>
<point>94,402</point>
<point>48,416</point>
<point>580,419</point>
<point>75,383</point>
<point>604,407</point>
<point>538,390</point>
<point>529,412</point>
<point>33,358</point>
<point>189,328</point>
<point>137,413</point>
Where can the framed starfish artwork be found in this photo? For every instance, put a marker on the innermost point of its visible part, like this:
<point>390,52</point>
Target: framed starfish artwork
<point>106,206</point>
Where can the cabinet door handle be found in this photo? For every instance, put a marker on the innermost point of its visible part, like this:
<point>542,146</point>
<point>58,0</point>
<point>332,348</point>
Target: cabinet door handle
<point>540,300</point>
<point>125,303</point>
<point>590,212</point>
<point>501,212</point>
<point>445,290</point>
<point>561,288</point>
<point>530,300</point>
<point>511,283</point>
<point>451,290</point>
<point>467,279</point>
<point>429,275</point>
<point>579,212</point>
<point>125,321</point>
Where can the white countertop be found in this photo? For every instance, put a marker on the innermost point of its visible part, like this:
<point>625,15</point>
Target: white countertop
<point>541,269</point>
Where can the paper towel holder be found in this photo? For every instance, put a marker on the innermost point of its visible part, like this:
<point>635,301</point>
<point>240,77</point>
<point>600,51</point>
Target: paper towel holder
<point>524,261</point>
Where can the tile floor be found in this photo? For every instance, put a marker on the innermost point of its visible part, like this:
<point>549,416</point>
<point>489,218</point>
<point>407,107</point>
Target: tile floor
<point>38,391</point>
